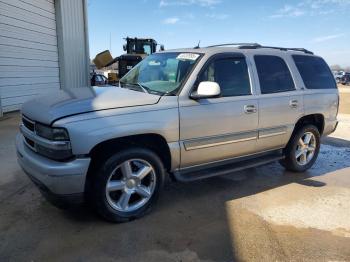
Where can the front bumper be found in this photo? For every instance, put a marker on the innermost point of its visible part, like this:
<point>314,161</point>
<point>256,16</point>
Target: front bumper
<point>58,180</point>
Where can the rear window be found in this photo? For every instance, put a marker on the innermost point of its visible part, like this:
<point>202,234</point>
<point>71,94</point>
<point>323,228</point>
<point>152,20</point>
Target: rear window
<point>314,72</point>
<point>273,73</point>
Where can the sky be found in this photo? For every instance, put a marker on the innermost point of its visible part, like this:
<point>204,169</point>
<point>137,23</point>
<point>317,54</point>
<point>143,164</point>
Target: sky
<point>322,26</point>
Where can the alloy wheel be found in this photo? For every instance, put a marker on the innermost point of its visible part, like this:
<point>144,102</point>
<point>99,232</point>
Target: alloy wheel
<point>130,185</point>
<point>305,149</point>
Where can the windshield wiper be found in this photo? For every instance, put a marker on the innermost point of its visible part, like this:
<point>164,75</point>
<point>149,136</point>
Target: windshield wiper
<point>144,88</point>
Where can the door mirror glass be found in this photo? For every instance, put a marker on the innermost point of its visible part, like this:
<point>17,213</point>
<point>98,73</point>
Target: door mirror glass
<point>206,89</point>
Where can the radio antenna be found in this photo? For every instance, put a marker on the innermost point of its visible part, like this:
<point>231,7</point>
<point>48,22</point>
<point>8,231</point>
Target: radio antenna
<point>197,47</point>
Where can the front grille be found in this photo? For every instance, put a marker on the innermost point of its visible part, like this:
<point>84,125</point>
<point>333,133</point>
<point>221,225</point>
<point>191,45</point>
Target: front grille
<point>30,142</point>
<point>28,123</point>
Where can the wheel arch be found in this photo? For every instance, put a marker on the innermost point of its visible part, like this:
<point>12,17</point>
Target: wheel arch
<point>311,119</point>
<point>107,148</point>
<point>317,120</point>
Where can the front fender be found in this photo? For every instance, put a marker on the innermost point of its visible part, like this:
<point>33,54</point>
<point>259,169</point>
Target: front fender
<point>86,134</point>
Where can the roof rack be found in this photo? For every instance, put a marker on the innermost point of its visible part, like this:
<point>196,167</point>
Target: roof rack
<point>256,46</point>
<point>285,49</point>
<point>236,44</point>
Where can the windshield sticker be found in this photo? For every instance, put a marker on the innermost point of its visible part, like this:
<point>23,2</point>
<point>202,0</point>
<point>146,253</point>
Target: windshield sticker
<point>154,63</point>
<point>187,56</point>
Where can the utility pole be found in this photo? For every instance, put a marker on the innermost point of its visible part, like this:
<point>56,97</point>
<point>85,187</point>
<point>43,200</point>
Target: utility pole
<point>110,42</point>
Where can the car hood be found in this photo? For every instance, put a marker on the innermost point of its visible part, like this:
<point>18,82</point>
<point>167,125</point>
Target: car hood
<point>48,108</point>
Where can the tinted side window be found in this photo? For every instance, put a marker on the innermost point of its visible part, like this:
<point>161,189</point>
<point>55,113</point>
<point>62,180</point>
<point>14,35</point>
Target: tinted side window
<point>274,75</point>
<point>314,72</point>
<point>231,74</point>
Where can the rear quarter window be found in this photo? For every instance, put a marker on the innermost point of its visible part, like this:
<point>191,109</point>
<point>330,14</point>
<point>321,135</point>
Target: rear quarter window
<point>315,72</point>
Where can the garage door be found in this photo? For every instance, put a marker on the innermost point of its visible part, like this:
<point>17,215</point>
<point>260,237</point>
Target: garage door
<point>28,51</point>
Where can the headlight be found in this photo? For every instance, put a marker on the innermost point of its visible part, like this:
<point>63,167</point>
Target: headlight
<point>51,149</point>
<point>51,133</point>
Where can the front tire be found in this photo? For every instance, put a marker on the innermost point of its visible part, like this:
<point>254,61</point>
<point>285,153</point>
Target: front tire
<point>127,185</point>
<point>302,150</point>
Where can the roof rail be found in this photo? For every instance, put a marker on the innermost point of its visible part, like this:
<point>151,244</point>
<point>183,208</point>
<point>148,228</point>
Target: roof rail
<point>256,46</point>
<point>288,48</point>
<point>301,50</point>
<point>237,44</point>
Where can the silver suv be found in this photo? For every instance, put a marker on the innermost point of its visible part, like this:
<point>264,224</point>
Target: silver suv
<point>188,113</point>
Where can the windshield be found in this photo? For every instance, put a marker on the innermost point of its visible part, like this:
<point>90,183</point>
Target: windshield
<point>147,49</point>
<point>161,73</point>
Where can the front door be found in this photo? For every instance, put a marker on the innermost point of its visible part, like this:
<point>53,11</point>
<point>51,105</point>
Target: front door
<point>220,128</point>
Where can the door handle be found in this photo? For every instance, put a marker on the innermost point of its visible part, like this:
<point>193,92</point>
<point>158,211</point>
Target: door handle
<point>293,103</point>
<point>249,109</point>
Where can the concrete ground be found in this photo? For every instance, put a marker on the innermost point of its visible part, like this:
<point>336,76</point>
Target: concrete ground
<point>344,105</point>
<point>261,214</point>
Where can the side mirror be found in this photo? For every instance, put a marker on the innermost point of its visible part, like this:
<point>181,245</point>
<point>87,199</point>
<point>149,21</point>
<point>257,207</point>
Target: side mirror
<point>124,47</point>
<point>206,89</point>
<point>161,48</point>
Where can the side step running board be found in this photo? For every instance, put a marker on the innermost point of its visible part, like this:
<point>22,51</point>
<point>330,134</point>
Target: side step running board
<point>195,174</point>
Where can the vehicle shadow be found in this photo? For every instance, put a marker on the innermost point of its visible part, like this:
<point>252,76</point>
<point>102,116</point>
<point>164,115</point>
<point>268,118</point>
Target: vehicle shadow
<point>192,216</point>
<point>334,141</point>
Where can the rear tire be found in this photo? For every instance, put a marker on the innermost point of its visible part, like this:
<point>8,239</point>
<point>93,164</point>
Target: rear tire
<point>127,185</point>
<point>302,149</point>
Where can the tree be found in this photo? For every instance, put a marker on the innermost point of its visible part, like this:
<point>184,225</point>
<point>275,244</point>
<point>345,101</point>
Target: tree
<point>336,67</point>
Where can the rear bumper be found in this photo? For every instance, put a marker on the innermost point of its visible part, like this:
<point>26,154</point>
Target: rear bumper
<point>330,127</point>
<point>56,180</point>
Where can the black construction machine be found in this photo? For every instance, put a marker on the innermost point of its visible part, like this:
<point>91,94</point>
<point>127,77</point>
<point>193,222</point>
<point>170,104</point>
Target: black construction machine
<point>136,50</point>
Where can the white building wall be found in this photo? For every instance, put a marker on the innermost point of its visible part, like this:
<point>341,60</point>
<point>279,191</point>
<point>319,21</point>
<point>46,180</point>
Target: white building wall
<point>73,48</point>
<point>28,51</point>
<point>43,47</point>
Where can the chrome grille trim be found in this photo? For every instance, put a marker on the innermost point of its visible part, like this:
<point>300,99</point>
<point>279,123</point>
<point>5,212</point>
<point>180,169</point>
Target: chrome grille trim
<point>29,145</point>
<point>28,123</point>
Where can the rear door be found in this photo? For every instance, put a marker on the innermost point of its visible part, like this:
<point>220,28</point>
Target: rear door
<point>280,101</point>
